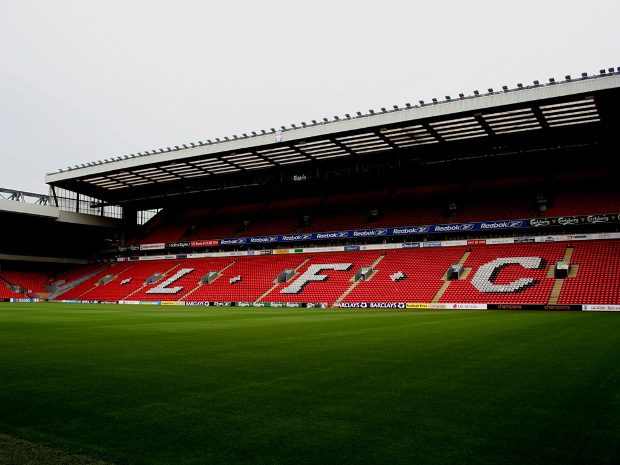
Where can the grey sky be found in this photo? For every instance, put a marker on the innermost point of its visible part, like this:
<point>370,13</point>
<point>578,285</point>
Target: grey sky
<point>81,80</point>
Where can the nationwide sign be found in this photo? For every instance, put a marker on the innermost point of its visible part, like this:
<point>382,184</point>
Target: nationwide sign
<point>384,232</point>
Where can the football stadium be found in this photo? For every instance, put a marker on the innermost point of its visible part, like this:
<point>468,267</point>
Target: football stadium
<point>433,282</point>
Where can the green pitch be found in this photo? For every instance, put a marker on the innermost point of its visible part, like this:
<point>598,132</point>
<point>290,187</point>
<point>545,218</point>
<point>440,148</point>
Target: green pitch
<point>164,385</point>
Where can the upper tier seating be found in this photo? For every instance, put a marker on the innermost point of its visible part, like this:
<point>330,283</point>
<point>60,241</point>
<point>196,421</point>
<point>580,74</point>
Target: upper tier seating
<point>225,221</point>
<point>570,203</point>
<point>571,193</point>
<point>282,216</point>
<point>495,209</point>
<point>172,227</point>
<point>500,199</point>
<point>345,211</point>
<point>417,205</point>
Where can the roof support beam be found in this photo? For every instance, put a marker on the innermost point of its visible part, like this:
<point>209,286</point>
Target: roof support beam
<point>481,121</point>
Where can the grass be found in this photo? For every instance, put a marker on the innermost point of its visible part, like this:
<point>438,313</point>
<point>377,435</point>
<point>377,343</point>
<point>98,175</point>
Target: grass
<point>156,385</point>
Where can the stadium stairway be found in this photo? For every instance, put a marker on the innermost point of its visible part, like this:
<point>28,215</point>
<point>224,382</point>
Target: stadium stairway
<point>559,282</point>
<point>445,285</point>
<point>355,283</point>
<point>66,287</point>
<point>144,284</point>
<point>534,261</point>
<point>219,274</point>
<point>7,292</point>
<point>276,283</point>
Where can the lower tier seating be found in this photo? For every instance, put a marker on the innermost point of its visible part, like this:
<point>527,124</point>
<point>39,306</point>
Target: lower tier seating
<point>405,276</point>
<point>323,278</point>
<point>511,273</point>
<point>32,282</point>
<point>6,293</point>
<point>597,280</point>
<point>514,273</point>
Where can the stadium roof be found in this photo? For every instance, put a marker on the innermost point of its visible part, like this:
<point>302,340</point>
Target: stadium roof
<point>525,110</point>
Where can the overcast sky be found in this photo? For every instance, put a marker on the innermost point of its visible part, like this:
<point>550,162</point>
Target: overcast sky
<point>82,80</point>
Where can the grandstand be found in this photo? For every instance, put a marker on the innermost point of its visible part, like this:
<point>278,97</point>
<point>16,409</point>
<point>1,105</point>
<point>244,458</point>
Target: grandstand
<point>502,198</point>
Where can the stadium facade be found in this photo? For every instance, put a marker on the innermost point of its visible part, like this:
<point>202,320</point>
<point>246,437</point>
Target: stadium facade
<point>505,197</point>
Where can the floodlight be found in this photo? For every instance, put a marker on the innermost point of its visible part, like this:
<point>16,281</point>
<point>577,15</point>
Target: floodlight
<point>359,113</point>
<point>348,116</point>
<point>611,70</point>
<point>217,139</point>
<point>476,92</point>
<point>448,97</point>
<point>263,131</point>
<point>254,133</point>
<point>371,111</point>
<point>383,110</point>
<point>519,85</point>
<point>192,144</point>
<point>185,146</point>
<point>303,123</point>
<point>461,95</point>
<point>209,141</point>
<point>504,88</point>
<point>293,126</point>
<point>395,107</point>
<point>176,147</point>
<point>536,83</point>
<point>434,100</point>
<point>200,142</point>
<point>490,90</point>
<point>584,74</point>
<point>244,135</point>
<point>421,102</point>
<point>336,117</point>
<point>551,80</point>
<point>314,121</point>
<point>325,119</point>
<point>408,105</point>
<point>226,138</point>
<point>283,128</point>
<point>602,71</point>
<point>567,77</point>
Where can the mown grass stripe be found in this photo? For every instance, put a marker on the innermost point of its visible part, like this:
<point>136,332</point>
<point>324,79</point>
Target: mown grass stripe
<point>149,386</point>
